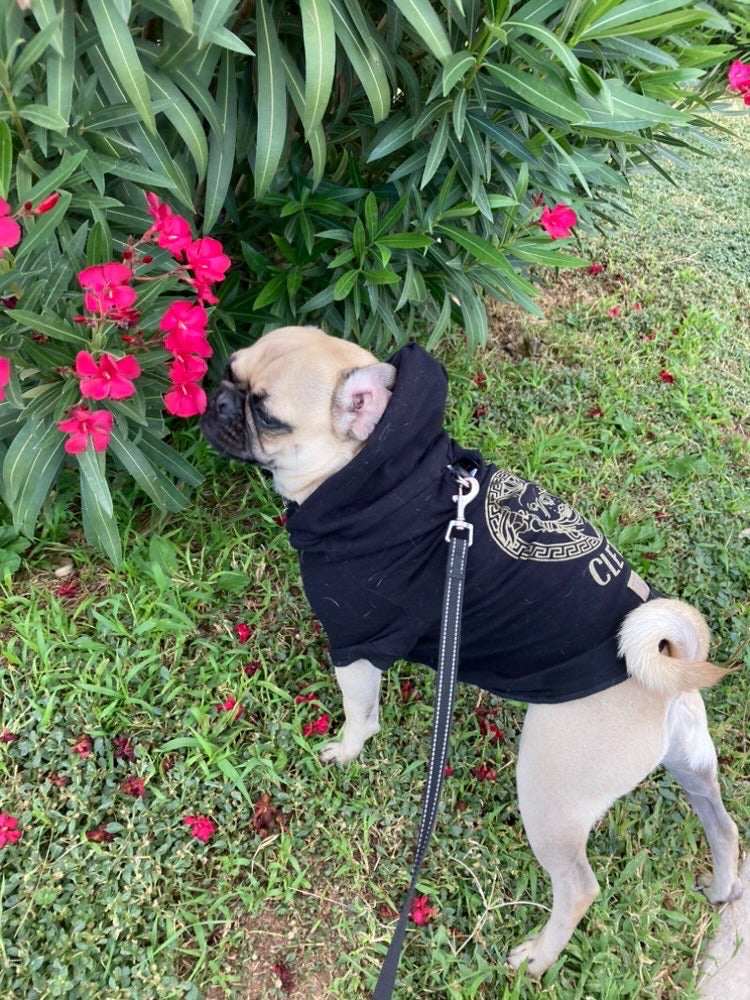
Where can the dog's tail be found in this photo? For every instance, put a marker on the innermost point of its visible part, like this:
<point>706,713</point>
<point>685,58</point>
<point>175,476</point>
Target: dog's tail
<point>665,645</point>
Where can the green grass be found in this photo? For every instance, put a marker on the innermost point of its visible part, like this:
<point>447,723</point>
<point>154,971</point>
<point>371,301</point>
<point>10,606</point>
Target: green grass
<point>148,651</point>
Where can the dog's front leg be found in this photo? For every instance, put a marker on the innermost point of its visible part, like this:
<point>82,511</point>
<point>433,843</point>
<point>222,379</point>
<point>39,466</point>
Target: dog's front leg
<point>360,687</point>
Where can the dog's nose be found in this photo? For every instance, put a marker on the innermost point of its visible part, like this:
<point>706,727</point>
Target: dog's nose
<point>229,404</point>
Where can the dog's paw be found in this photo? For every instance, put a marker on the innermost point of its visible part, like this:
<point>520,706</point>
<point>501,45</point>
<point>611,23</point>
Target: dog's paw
<point>527,952</point>
<point>337,753</point>
<point>717,894</point>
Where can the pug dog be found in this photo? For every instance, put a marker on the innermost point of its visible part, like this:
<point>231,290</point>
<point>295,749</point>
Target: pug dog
<point>553,614</point>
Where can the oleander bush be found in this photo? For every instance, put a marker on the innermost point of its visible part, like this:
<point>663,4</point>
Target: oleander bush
<point>377,168</point>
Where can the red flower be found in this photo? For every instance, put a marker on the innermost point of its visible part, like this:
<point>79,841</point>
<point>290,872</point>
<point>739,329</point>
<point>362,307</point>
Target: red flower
<point>739,76</point>
<point>661,515</point>
<point>666,376</point>
<point>208,260</point>
<point>58,780</point>
<point>111,378</point>
<point>175,234</point>
<point>185,400</point>
<point>479,412</point>
<point>303,699</point>
<point>47,204</point>
<point>9,832</point>
<point>479,379</point>
<point>200,827</point>
<point>420,910</point>
<point>243,632</point>
<point>123,748</point>
<point>596,412</point>
<point>252,668</point>
<point>447,771</point>
<point>100,835</point>
<point>107,291</point>
<point>320,726</point>
<point>284,973</point>
<point>83,746</point>
<point>10,231</point>
<point>134,786</point>
<point>187,368</point>
<point>484,772</point>
<point>649,336</point>
<point>82,426</point>
<point>595,268</point>
<point>67,589</point>
<point>614,312</point>
<point>558,221</point>
<point>7,737</point>
<point>184,317</point>
<point>229,705</point>
<point>409,692</point>
<point>4,376</point>
<point>280,519</point>
<point>637,307</point>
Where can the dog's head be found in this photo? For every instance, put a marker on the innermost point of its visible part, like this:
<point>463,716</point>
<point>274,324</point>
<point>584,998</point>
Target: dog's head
<point>298,403</point>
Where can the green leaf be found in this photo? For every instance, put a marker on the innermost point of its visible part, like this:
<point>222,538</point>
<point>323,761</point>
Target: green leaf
<point>366,62</point>
<point>405,241</point>
<point>223,142</point>
<point>271,103</point>
<point>120,51</point>
<point>181,114</point>
<point>50,325</point>
<point>549,41</point>
<point>152,482</point>
<point>396,132</point>
<point>6,159</point>
<point>99,524</point>
<point>479,248</point>
<point>30,467</point>
<point>92,465</point>
<point>436,153</point>
<point>652,27</point>
<point>539,94</point>
<point>427,25</point>
<point>455,69</point>
<point>345,284</point>
<point>184,11</point>
<point>537,252</point>
<point>320,60</point>
<point>627,13</point>
<point>56,178</point>
<point>61,63</point>
<point>42,114</point>
<point>33,50</point>
<point>316,139</point>
<point>213,16</point>
<point>165,457</point>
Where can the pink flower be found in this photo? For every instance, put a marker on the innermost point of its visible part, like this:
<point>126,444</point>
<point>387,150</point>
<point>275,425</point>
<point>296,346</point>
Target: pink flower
<point>230,705</point>
<point>484,772</point>
<point>10,231</point>
<point>111,378</point>
<point>9,832</point>
<point>666,376</point>
<point>595,268</point>
<point>4,376</point>
<point>185,399</point>
<point>183,316</point>
<point>739,76</point>
<point>106,288</point>
<point>421,912</point>
<point>243,632</point>
<point>134,786</point>
<point>83,746</point>
<point>320,726</point>
<point>558,221</point>
<point>100,835</point>
<point>614,312</point>
<point>200,827</point>
<point>208,260</point>
<point>175,235</point>
<point>187,368</point>
<point>82,426</point>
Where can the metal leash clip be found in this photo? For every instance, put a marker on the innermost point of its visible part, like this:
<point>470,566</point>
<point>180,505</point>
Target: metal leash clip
<point>463,499</point>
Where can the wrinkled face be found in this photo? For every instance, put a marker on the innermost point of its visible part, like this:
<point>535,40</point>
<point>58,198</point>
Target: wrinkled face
<point>274,406</point>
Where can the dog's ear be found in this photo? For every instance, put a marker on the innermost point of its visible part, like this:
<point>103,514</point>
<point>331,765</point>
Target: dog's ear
<point>360,399</point>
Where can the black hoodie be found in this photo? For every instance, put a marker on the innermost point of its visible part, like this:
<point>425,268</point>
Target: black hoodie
<point>545,591</point>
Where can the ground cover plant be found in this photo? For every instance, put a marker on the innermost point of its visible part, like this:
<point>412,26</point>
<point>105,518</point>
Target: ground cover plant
<point>178,835</point>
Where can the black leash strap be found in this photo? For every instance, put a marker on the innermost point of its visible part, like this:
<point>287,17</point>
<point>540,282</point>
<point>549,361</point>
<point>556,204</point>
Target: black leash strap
<point>459,537</point>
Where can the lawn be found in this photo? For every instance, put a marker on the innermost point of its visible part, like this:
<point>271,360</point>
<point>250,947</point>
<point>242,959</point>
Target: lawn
<point>631,399</point>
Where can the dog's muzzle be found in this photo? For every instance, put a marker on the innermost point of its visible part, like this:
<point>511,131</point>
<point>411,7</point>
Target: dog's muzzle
<point>224,423</point>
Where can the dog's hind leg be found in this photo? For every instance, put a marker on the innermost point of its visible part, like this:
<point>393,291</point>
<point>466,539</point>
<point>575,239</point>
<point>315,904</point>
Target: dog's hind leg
<point>691,757</point>
<point>574,761</point>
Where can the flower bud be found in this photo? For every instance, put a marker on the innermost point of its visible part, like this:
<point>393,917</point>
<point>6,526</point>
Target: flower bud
<point>48,203</point>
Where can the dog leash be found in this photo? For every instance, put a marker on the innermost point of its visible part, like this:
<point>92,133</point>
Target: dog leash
<point>459,536</point>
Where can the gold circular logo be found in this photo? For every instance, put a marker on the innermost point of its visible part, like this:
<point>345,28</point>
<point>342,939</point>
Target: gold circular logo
<point>527,522</point>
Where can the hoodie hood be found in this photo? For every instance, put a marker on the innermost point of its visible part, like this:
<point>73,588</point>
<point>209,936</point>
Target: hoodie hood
<point>403,460</point>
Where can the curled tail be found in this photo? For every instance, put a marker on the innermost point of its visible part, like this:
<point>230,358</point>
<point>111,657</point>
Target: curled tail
<point>665,645</point>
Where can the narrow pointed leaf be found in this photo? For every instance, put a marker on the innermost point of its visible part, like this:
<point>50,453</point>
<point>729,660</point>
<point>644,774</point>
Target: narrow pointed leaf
<point>428,26</point>
<point>122,55</point>
<point>320,59</point>
<point>271,101</point>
